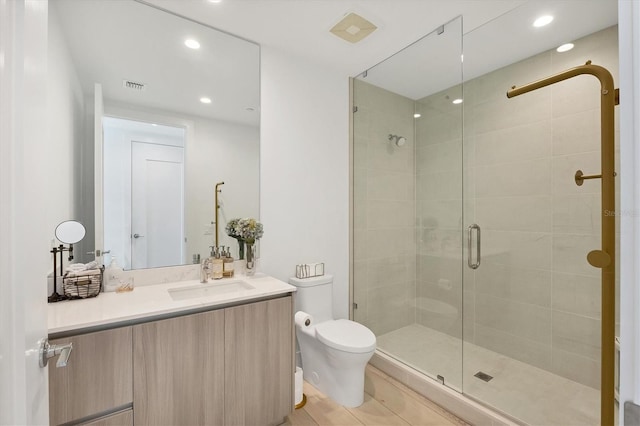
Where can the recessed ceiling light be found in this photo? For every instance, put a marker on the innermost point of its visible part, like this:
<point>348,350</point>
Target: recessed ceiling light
<point>215,1</point>
<point>565,47</point>
<point>192,44</point>
<point>417,115</point>
<point>542,21</point>
<point>457,101</point>
<point>205,100</point>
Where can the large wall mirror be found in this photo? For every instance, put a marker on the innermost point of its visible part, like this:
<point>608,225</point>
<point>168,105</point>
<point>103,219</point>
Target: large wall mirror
<point>162,109</point>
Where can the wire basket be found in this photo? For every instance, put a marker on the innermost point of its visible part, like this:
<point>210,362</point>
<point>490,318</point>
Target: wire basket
<point>309,270</point>
<point>83,286</point>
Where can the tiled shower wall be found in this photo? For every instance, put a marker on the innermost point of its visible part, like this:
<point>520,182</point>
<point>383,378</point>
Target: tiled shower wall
<point>534,298</point>
<point>439,197</point>
<point>384,210</point>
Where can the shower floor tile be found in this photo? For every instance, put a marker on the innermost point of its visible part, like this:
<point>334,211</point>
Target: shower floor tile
<point>530,394</point>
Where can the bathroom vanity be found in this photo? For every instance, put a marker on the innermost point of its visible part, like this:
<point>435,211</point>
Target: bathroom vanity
<point>176,353</point>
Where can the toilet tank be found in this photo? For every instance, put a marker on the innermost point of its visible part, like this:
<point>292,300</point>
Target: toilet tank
<point>314,296</point>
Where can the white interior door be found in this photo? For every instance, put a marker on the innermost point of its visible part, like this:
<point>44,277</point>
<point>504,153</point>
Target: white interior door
<point>25,180</point>
<point>157,205</point>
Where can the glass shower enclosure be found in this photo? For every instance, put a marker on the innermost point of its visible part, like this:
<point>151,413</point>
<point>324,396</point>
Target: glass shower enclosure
<point>469,231</point>
<point>408,204</point>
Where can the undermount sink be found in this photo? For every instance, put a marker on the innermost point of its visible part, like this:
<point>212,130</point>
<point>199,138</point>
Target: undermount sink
<point>208,290</point>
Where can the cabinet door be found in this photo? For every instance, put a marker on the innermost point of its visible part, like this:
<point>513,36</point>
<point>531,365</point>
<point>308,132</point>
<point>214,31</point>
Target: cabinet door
<point>97,377</point>
<point>179,370</point>
<point>259,362</point>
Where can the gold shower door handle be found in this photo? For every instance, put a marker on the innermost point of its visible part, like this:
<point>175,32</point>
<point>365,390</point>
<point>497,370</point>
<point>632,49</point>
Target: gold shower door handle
<point>476,264</point>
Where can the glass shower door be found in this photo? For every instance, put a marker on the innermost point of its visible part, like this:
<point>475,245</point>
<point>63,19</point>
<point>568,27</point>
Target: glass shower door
<point>469,233</point>
<point>532,306</point>
<point>407,190</point>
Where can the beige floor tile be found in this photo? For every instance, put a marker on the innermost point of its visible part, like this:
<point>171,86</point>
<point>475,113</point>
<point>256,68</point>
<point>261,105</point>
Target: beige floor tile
<point>326,412</point>
<point>387,402</point>
<point>372,412</point>
<point>300,417</point>
<point>405,404</point>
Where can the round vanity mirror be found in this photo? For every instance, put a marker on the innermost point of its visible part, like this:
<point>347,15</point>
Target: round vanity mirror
<point>70,232</point>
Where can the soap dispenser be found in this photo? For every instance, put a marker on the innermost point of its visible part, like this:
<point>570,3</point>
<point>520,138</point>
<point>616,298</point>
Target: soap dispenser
<point>228,263</point>
<point>217,265</point>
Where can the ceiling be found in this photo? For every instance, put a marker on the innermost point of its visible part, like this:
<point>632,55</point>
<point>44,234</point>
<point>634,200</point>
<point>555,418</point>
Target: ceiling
<point>300,28</point>
<point>435,63</point>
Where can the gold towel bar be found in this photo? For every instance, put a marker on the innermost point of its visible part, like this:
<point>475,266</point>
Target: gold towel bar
<point>581,177</point>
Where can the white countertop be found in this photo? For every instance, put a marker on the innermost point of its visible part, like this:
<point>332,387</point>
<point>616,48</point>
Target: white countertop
<point>153,300</point>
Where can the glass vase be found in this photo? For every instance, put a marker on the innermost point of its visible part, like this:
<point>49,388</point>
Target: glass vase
<point>251,259</point>
<point>240,248</point>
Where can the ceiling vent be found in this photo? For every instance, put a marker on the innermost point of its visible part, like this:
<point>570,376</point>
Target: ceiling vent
<point>134,85</point>
<point>353,28</point>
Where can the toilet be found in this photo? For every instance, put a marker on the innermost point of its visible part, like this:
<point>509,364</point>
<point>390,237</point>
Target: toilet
<point>334,352</point>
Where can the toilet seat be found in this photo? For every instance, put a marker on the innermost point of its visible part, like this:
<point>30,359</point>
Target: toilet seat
<point>346,335</point>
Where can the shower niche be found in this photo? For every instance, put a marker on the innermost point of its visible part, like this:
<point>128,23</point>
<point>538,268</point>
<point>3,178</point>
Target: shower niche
<point>470,239</point>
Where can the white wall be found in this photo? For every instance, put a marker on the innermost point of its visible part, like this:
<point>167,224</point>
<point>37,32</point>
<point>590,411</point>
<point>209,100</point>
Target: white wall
<point>65,113</point>
<point>304,178</point>
<point>629,17</point>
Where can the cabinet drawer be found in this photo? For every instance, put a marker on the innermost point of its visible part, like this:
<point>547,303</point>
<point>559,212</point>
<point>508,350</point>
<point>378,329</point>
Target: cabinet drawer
<point>121,418</point>
<point>97,378</point>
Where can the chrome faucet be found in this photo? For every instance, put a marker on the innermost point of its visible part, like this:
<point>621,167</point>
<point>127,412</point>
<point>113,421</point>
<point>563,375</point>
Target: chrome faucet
<point>205,270</point>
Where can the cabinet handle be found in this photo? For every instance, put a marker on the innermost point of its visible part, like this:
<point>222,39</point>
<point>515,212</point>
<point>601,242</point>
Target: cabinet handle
<point>49,351</point>
<point>476,264</point>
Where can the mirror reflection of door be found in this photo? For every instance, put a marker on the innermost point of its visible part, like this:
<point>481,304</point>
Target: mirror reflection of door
<point>157,211</point>
<point>144,193</point>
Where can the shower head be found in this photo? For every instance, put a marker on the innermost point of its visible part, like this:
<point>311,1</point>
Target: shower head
<point>398,140</point>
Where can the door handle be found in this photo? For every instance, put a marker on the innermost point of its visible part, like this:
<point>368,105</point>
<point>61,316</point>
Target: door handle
<point>138,236</point>
<point>99,253</point>
<point>49,351</point>
<point>476,264</point>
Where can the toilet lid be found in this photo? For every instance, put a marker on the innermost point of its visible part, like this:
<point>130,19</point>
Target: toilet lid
<point>347,336</point>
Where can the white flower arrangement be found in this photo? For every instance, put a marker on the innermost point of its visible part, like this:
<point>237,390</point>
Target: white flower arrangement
<point>232,229</point>
<point>247,229</point>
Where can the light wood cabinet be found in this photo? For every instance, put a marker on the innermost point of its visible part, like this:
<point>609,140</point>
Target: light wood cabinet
<point>259,363</point>
<point>179,370</point>
<point>96,379</point>
<point>231,366</point>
